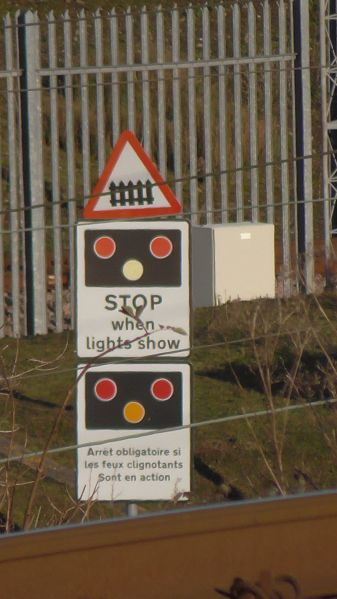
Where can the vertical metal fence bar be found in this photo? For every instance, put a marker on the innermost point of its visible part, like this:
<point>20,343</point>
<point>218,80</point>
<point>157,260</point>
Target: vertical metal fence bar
<point>331,103</point>
<point>294,285</point>
<point>207,117</point>
<point>222,115</point>
<point>31,102</point>
<point>161,103</point>
<point>100,115</point>
<point>237,113</point>
<point>192,124</point>
<point>177,136</point>
<point>130,74</point>
<point>304,195</point>
<point>3,330</point>
<point>55,179</point>
<point>268,123</point>
<point>115,97</point>
<point>7,24</point>
<point>70,151</point>
<point>21,199</point>
<point>144,24</point>
<point>306,165</point>
<point>84,93</point>
<point>254,182</point>
<point>2,262</point>
<point>14,224</point>
<point>176,104</point>
<point>283,104</point>
<point>325,146</point>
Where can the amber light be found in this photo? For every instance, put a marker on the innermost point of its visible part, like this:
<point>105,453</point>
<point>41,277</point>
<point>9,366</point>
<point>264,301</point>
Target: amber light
<point>134,412</point>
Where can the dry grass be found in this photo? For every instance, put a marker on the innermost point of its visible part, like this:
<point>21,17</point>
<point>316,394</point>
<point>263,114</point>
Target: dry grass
<point>272,354</point>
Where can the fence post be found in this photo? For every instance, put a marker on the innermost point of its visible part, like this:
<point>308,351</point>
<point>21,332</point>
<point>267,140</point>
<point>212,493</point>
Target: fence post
<point>32,166</point>
<point>304,197</point>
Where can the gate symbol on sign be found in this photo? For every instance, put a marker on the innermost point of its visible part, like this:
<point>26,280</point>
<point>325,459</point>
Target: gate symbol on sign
<point>131,193</point>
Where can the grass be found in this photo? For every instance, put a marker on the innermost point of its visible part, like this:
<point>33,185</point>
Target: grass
<point>252,368</point>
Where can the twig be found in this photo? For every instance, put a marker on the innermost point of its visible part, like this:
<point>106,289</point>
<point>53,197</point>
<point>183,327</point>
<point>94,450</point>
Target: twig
<point>40,469</point>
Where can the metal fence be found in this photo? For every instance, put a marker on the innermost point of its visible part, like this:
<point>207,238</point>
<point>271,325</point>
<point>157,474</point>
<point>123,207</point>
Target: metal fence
<point>219,96</point>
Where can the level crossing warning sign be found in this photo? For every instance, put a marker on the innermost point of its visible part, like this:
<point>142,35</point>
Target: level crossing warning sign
<point>130,186</point>
<point>133,293</point>
<point>117,405</point>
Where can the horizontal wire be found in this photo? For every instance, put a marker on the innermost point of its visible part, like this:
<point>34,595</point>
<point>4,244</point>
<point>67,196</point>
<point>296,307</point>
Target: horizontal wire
<point>192,348</point>
<point>182,214</point>
<point>191,426</point>
<point>47,371</point>
<point>140,68</point>
<point>171,181</point>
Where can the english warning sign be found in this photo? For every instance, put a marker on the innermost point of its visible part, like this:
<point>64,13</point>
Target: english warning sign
<point>117,405</point>
<point>133,294</point>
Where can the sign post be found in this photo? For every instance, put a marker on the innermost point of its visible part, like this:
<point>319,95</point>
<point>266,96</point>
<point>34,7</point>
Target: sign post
<point>133,302</point>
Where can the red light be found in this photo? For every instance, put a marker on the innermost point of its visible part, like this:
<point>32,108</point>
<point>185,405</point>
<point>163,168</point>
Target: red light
<point>161,247</point>
<point>104,247</point>
<point>105,389</point>
<point>162,389</point>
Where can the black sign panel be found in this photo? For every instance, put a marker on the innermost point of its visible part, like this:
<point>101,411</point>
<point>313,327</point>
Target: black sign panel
<point>133,258</point>
<point>133,400</point>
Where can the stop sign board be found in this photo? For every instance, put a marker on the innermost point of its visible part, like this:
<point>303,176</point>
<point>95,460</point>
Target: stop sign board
<point>133,292</point>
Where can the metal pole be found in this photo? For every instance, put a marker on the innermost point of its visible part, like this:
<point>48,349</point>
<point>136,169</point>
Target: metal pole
<point>132,510</point>
<point>32,166</point>
<point>304,196</point>
<point>332,116</point>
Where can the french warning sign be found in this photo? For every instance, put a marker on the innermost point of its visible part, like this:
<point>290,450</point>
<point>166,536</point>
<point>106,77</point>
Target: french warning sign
<point>133,293</point>
<point>130,186</point>
<point>117,405</point>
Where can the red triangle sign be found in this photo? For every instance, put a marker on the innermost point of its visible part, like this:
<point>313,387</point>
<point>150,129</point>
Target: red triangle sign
<point>130,186</point>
